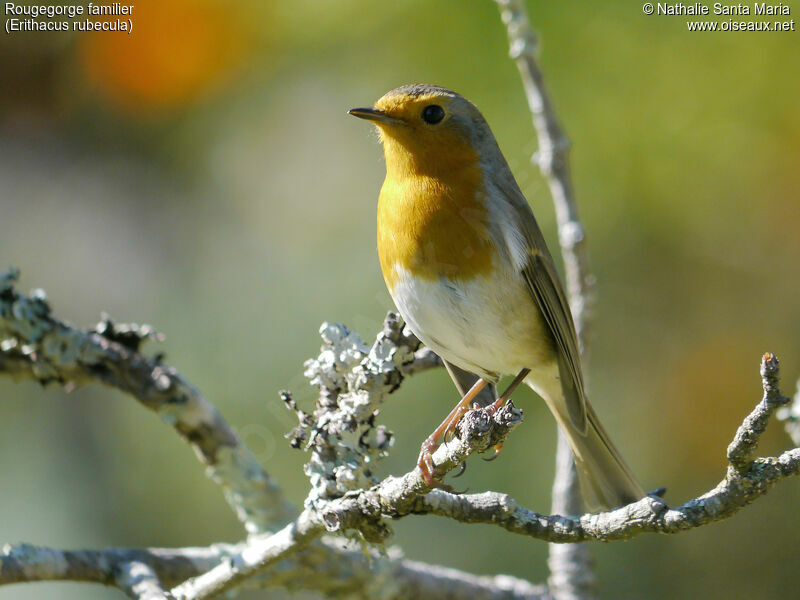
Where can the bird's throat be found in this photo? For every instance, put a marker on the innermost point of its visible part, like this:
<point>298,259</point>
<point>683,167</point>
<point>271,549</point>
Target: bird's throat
<point>432,217</point>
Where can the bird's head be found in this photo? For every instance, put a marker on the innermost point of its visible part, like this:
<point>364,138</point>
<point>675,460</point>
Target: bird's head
<point>428,130</point>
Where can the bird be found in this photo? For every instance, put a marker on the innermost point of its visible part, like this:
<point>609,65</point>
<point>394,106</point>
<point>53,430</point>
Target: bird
<point>468,269</point>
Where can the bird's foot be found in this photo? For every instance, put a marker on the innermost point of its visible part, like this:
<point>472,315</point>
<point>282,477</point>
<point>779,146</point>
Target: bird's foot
<point>425,464</point>
<point>445,432</point>
<point>451,423</point>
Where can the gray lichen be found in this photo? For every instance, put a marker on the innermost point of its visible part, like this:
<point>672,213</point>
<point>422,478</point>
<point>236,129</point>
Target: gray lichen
<point>353,380</point>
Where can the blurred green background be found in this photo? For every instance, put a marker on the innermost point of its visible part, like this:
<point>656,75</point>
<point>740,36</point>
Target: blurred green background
<point>201,175</point>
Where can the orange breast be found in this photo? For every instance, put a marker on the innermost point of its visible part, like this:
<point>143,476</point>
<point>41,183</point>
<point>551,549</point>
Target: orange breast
<point>432,224</point>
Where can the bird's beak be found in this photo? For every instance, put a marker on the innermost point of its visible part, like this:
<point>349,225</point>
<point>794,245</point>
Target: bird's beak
<point>373,114</point>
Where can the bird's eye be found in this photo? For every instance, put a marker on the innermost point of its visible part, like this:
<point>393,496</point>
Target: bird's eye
<point>432,114</point>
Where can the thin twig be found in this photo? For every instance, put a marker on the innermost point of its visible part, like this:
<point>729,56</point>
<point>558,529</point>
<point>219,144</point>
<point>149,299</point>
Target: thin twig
<point>572,573</point>
<point>744,444</point>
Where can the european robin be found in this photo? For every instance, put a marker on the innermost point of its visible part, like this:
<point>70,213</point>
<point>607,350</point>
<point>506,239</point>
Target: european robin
<point>468,268</point>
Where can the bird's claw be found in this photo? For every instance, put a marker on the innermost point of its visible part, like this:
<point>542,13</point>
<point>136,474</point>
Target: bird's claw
<point>426,468</point>
<point>497,450</point>
<point>450,431</point>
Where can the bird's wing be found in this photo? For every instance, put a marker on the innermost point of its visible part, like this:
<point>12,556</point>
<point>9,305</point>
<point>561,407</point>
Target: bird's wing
<point>545,287</point>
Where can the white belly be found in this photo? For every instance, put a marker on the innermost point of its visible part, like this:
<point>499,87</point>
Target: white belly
<point>488,325</point>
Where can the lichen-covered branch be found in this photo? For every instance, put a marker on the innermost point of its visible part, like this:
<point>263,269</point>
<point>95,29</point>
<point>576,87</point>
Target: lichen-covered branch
<point>745,442</point>
<point>259,553</point>
<point>328,568</point>
<point>401,496</point>
<point>345,442</point>
<point>36,345</point>
<point>361,511</point>
<point>339,569</point>
<point>140,582</point>
<point>354,379</point>
<point>649,515</point>
<point>22,563</point>
<point>424,359</point>
<point>397,497</point>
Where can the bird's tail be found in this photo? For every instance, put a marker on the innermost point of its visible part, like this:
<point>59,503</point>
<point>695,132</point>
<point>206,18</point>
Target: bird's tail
<point>605,479</point>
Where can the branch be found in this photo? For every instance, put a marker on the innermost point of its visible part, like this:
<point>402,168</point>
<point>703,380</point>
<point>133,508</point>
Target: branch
<point>140,582</point>
<point>571,569</point>
<point>259,553</point>
<point>419,580</point>
<point>362,509</point>
<point>552,159</point>
<point>424,359</point>
<point>397,497</point>
<point>745,442</point>
<point>571,566</point>
<point>36,345</point>
<point>24,563</point>
<point>327,568</point>
<point>345,441</point>
<point>649,515</point>
<point>746,480</point>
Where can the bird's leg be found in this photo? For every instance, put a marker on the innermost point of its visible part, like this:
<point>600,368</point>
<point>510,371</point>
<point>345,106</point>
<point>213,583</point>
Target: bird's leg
<point>497,404</point>
<point>429,446</point>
